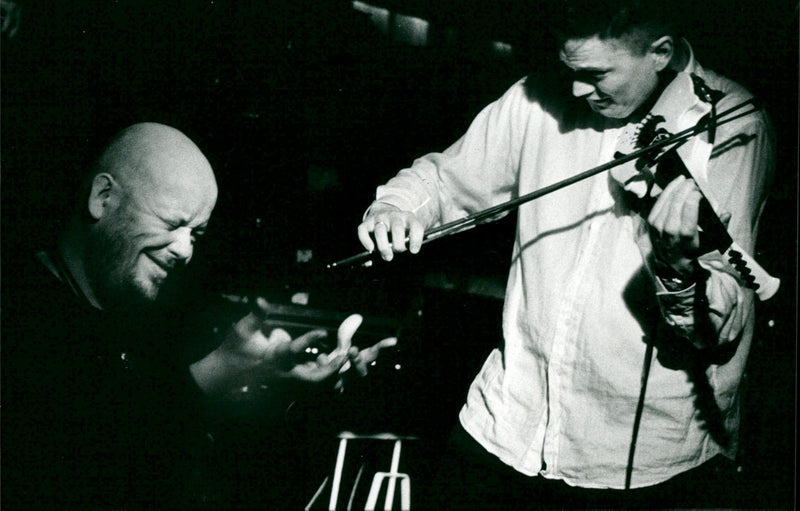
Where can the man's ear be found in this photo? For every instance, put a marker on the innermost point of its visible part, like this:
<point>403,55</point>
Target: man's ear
<point>661,51</point>
<point>101,195</point>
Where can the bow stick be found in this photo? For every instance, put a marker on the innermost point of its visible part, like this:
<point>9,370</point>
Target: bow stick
<point>494,212</point>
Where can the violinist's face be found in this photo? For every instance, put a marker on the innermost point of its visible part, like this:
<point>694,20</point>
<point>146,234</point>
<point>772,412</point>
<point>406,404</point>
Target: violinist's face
<point>613,78</point>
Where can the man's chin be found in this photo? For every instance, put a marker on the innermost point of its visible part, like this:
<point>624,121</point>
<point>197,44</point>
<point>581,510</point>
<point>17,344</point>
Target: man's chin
<point>140,295</point>
<point>150,294</point>
<point>132,298</point>
<point>609,110</point>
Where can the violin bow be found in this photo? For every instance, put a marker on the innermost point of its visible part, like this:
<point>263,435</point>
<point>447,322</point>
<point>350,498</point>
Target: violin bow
<point>493,213</point>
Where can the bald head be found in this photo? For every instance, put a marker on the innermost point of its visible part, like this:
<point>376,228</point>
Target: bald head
<point>149,153</point>
<point>150,197</point>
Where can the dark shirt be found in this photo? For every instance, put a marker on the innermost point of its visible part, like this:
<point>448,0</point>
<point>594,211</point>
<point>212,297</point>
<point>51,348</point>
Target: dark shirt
<point>96,410</point>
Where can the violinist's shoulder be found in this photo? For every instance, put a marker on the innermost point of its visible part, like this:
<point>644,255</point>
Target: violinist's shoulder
<point>734,94</point>
<point>733,91</point>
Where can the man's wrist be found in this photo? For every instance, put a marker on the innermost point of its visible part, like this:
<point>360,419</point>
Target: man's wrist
<point>216,373</point>
<point>204,372</point>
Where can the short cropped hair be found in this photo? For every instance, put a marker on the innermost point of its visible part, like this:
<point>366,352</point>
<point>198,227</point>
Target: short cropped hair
<point>636,22</point>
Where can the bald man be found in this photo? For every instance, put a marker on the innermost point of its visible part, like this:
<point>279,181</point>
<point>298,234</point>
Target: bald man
<point>96,410</point>
<point>150,196</point>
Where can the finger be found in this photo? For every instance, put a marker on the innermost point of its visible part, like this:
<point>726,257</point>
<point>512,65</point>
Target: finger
<point>690,213</point>
<point>260,308</point>
<point>319,369</point>
<point>279,350</point>
<point>386,343</point>
<point>360,364</point>
<point>353,360</point>
<point>415,234</point>
<point>313,372</point>
<point>381,234</point>
<point>351,357</point>
<point>252,322</point>
<point>371,354</point>
<point>673,223</point>
<point>364,234</point>
<point>335,360</point>
<point>398,229</point>
<point>367,356</point>
<point>327,365</point>
<point>344,335</point>
<point>279,336</point>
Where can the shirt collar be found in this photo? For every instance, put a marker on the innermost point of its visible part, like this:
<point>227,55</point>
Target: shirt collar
<point>691,63</point>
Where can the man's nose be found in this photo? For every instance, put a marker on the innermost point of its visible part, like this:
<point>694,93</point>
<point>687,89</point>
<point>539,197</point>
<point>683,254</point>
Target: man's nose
<point>182,246</point>
<point>581,89</point>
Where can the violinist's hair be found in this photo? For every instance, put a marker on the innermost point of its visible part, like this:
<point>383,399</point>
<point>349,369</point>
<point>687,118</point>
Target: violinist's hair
<point>638,22</point>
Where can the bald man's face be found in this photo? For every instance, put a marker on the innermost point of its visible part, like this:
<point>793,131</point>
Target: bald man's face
<point>151,229</point>
<point>150,234</point>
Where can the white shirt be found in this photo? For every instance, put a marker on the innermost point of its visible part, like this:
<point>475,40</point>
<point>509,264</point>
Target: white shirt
<point>558,397</point>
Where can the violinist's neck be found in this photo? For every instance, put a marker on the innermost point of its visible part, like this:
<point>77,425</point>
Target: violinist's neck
<point>664,79</point>
<point>680,59</point>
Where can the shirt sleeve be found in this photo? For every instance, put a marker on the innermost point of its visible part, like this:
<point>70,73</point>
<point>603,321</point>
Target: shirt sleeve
<point>479,171</point>
<point>740,172</point>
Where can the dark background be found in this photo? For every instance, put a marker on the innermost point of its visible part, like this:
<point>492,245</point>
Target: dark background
<point>303,108</point>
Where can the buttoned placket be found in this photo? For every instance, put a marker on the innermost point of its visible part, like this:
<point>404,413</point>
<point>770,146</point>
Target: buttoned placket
<point>566,333</point>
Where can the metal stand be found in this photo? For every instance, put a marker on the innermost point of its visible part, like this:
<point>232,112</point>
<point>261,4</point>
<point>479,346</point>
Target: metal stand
<point>391,477</point>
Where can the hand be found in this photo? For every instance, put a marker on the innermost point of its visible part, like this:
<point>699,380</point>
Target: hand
<point>248,356</point>
<point>357,359</point>
<point>673,226</point>
<point>280,356</point>
<point>385,221</point>
<point>364,358</point>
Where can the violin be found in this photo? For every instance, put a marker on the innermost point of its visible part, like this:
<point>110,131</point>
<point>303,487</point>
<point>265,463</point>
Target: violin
<point>665,139</point>
<point>647,176</point>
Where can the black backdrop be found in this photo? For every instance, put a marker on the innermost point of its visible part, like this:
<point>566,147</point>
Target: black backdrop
<point>304,107</point>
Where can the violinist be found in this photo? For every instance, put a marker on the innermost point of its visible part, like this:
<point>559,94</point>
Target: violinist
<point>625,337</point>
